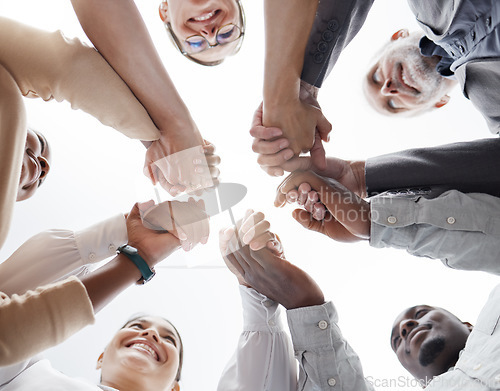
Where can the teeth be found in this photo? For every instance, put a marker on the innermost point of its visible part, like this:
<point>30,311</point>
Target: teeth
<point>204,17</point>
<point>144,347</point>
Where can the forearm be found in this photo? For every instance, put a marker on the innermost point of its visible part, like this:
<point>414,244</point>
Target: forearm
<point>13,135</point>
<point>263,359</point>
<point>117,30</point>
<point>467,167</point>
<point>287,23</point>
<point>104,284</point>
<point>65,253</point>
<point>325,358</point>
<point>336,24</point>
<point>51,66</point>
<point>462,230</point>
<point>41,319</point>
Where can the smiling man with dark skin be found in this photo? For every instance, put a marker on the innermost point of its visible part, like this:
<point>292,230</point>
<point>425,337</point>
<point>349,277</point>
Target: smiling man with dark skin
<point>428,340</point>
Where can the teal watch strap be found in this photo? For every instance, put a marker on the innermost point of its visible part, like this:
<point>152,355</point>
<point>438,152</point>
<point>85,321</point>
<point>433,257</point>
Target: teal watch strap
<point>132,254</point>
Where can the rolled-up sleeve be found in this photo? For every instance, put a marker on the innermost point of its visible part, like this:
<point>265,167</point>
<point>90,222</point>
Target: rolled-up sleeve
<point>462,230</point>
<point>263,359</point>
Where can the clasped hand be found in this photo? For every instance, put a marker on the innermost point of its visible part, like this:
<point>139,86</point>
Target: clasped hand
<point>255,255</point>
<point>182,164</point>
<point>328,207</point>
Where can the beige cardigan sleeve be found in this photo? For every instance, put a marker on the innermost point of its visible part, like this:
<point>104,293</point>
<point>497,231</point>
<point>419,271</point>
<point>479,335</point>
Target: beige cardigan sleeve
<point>51,66</point>
<point>12,141</point>
<point>42,318</point>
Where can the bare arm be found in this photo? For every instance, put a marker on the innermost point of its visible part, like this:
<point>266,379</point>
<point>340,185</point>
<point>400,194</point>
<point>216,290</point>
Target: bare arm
<point>13,136</point>
<point>117,30</point>
<point>288,24</point>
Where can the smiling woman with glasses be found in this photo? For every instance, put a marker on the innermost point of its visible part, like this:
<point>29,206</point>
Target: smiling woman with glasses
<point>205,32</point>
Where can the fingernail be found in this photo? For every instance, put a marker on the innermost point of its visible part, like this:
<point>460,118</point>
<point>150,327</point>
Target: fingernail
<point>276,132</point>
<point>283,144</point>
<point>288,155</point>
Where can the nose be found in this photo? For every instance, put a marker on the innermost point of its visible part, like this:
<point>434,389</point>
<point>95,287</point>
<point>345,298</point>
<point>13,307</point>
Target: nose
<point>406,326</point>
<point>389,88</point>
<point>151,333</point>
<point>209,31</point>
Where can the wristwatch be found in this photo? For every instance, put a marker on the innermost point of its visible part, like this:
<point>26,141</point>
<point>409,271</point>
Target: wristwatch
<point>132,254</point>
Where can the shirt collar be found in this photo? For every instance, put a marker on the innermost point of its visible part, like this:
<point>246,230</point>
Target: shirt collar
<point>429,49</point>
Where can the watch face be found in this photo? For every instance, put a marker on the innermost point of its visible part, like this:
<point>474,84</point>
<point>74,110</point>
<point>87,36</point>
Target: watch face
<point>128,249</point>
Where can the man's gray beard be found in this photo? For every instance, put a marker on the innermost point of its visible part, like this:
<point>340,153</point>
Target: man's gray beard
<point>430,350</point>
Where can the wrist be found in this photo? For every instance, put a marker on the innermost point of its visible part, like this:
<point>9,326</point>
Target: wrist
<point>136,258</point>
<point>358,168</point>
<point>280,91</point>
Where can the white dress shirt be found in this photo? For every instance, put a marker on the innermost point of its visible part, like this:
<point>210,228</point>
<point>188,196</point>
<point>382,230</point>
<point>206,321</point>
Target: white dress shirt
<point>55,254</point>
<point>263,360</point>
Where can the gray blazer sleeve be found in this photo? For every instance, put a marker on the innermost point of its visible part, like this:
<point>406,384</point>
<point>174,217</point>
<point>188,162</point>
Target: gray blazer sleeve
<point>466,167</point>
<point>337,22</point>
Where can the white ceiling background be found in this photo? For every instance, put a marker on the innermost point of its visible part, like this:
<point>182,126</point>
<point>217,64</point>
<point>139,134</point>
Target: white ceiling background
<point>97,172</point>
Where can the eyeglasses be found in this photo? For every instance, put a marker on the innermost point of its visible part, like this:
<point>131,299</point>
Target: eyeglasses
<point>226,34</point>
<point>196,44</point>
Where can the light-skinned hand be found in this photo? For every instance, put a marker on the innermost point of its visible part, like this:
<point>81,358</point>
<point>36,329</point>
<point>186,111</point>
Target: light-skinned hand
<point>181,163</point>
<point>345,216</point>
<point>188,221</point>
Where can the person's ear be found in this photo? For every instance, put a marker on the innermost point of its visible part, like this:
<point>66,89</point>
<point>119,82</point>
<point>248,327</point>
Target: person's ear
<point>163,9</point>
<point>403,33</point>
<point>99,361</point>
<point>445,99</point>
<point>176,386</point>
<point>469,326</point>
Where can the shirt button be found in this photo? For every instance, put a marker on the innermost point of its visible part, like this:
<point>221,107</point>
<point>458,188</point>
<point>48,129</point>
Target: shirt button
<point>488,21</point>
<point>332,382</point>
<point>112,248</point>
<point>461,48</point>
<point>473,35</point>
<point>392,220</point>
<point>92,256</point>
<point>476,367</point>
<point>323,324</point>
<point>450,220</point>
<point>271,323</point>
<point>268,303</point>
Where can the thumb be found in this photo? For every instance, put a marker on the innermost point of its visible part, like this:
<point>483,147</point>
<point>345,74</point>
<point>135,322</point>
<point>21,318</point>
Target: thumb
<point>324,127</point>
<point>307,221</point>
<point>257,117</point>
<point>318,156</point>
